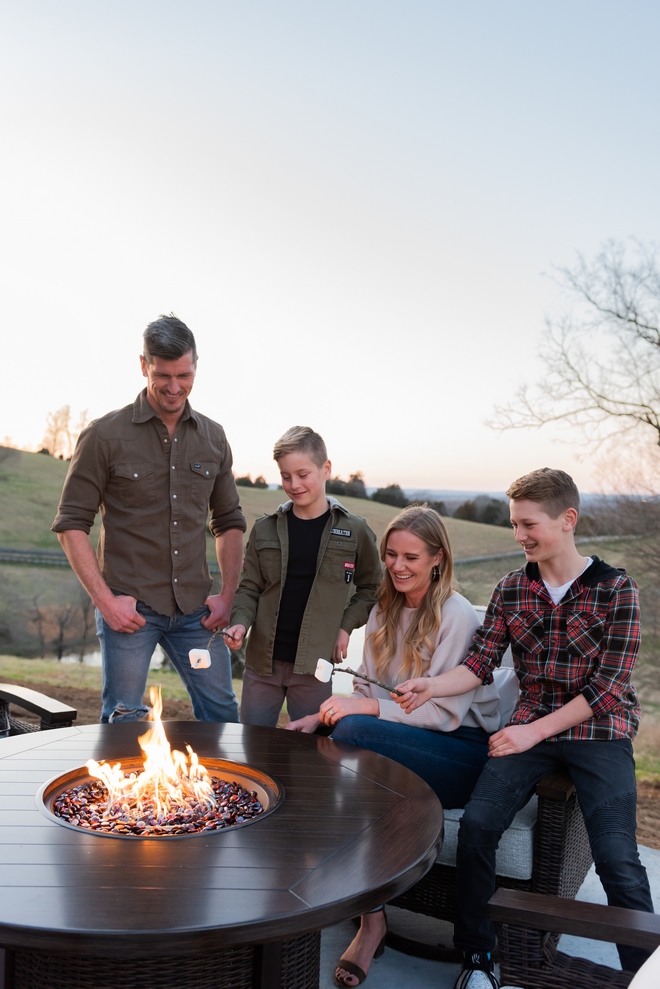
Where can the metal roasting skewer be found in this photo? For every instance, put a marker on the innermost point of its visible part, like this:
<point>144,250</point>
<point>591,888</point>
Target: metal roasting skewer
<point>200,659</point>
<point>363,676</point>
<point>220,631</point>
<point>325,670</point>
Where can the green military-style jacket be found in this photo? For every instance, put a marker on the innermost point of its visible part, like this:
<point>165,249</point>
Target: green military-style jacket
<point>348,546</point>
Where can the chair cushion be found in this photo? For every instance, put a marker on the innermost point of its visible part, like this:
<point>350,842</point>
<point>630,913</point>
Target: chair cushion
<point>506,682</point>
<point>515,854</point>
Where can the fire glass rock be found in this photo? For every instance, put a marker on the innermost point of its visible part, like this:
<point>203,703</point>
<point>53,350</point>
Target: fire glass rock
<point>85,806</point>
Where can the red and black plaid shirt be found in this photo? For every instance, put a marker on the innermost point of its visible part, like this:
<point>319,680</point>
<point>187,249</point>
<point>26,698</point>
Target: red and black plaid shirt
<point>587,644</point>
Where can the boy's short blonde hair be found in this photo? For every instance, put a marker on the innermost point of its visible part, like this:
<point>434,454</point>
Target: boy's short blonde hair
<point>301,439</point>
<point>554,490</point>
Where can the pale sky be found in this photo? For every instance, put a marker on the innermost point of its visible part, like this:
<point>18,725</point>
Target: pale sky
<point>351,204</point>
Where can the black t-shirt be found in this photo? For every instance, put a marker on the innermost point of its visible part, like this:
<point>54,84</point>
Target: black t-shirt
<point>304,542</point>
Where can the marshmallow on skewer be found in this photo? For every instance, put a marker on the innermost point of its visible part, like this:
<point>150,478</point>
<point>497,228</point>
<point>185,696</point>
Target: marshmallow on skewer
<point>200,659</point>
<point>323,671</point>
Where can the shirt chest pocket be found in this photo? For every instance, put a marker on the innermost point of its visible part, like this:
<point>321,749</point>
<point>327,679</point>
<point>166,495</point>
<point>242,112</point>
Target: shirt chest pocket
<point>136,484</point>
<point>269,554</point>
<point>527,631</point>
<point>584,635</point>
<point>202,478</point>
<point>338,561</point>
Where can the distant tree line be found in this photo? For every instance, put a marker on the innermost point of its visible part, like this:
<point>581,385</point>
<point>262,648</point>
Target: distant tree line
<point>484,509</point>
<point>56,620</point>
<point>247,482</point>
<point>489,511</point>
<point>354,487</point>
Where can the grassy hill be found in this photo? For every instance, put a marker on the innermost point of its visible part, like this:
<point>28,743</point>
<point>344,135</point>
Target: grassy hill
<point>31,483</point>
<point>467,538</point>
<point>30,487</point>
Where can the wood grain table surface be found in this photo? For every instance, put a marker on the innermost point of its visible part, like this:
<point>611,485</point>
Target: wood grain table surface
<point>354,829</point>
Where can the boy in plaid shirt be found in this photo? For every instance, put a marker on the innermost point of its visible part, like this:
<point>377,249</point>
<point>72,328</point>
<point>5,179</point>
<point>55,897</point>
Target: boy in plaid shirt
<point>574,630</point>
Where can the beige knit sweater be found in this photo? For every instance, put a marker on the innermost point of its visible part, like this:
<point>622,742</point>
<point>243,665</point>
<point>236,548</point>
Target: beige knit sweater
<point>477,708</point>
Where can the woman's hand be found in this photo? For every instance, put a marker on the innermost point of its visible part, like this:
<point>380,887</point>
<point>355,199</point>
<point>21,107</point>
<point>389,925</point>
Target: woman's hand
<point>338,707</point>
<point>307,725</point>
<point>415,693</point>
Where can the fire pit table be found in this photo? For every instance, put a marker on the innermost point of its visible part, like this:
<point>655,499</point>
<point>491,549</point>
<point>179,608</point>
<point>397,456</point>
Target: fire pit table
<point>240,908</point>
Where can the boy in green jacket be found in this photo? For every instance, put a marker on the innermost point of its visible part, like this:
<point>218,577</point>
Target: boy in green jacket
<point>310,576</point>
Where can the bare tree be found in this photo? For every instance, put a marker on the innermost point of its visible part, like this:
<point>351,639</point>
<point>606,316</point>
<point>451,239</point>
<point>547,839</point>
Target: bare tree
<point>602,364</point>
<point>64,617</point>
<point>602,357</point>
<point>88,622</point>
<point>60,436</point>
<point>38,617</point>
<point>57,438</point>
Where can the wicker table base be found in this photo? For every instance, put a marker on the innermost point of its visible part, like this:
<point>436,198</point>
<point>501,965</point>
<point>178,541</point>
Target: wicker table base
<point>291,964</point>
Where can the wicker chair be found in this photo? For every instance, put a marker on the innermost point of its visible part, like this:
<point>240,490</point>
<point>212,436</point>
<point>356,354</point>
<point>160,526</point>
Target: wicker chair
<point>561,860</point>
<point>528,926</point>
<point>52,713</point>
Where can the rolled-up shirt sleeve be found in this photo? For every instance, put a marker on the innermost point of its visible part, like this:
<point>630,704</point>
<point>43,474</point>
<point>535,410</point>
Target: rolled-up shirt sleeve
<point>85,483</point>
<point>224,502</point>
<point>490,641</point>
<point>611,680</point>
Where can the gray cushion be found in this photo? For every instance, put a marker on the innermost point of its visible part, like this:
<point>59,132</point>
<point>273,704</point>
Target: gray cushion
<point>515,854</point>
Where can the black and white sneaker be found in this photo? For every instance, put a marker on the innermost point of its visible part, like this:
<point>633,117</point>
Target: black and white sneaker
<point>477,972</point>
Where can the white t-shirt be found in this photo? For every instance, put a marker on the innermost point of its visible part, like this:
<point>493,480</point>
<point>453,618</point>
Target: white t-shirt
<point>557,593</point>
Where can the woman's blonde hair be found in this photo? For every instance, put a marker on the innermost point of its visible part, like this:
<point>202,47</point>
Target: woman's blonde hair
<point>420,637</point>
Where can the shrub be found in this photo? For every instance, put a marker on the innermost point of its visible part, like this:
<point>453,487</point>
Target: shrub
<point>390,495</point>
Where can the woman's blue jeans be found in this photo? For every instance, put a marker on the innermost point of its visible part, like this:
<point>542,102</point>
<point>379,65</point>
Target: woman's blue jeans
<point>449,761</point>
<point>126,657</point>
<point>604,777</point>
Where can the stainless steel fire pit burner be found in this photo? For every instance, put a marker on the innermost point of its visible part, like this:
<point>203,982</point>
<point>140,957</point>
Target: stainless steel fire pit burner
<point>268,793</point>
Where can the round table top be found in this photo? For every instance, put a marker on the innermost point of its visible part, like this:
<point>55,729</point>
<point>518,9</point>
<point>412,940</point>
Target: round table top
<point>355,829</point>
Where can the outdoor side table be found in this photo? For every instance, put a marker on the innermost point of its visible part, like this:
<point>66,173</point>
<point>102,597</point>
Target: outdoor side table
<point>241,908</point>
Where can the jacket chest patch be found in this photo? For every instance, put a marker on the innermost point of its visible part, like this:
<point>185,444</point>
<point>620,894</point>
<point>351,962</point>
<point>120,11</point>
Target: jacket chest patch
<point>348,572</point>
<point>340,532</point>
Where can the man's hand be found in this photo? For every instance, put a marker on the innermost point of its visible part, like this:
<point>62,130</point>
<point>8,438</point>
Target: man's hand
<point>121,615</point>
<point>515,738</point>
<point>307,725</point>
<point>220,607</point>
<point>415,693</point>
<point>341,646</point>
<point>234,636</point>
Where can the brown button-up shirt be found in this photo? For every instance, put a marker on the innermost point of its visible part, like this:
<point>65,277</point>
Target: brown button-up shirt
<point>154,494</point>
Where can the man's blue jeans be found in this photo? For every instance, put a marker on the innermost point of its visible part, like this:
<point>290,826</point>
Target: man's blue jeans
<point>604,777</point>
<point>449,761</point>
<point>126,658</point>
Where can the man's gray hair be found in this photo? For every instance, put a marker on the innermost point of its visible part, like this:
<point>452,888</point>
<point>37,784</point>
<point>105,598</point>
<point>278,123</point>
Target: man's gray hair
<point>168,338</point>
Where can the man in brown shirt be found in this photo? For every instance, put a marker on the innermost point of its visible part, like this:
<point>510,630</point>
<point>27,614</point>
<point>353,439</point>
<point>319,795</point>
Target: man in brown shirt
<point>154,469</point>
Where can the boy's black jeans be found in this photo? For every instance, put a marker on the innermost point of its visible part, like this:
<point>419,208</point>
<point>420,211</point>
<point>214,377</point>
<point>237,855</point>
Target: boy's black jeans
<point>604,777</point>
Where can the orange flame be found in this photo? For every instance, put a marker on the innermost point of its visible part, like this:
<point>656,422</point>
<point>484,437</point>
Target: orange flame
<point>170,780</point>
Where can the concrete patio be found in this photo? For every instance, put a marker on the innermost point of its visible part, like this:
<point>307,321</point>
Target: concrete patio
<point>397,971</point>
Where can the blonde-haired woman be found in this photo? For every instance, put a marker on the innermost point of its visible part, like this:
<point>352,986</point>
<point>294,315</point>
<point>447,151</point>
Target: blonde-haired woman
<point>420,626</point>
